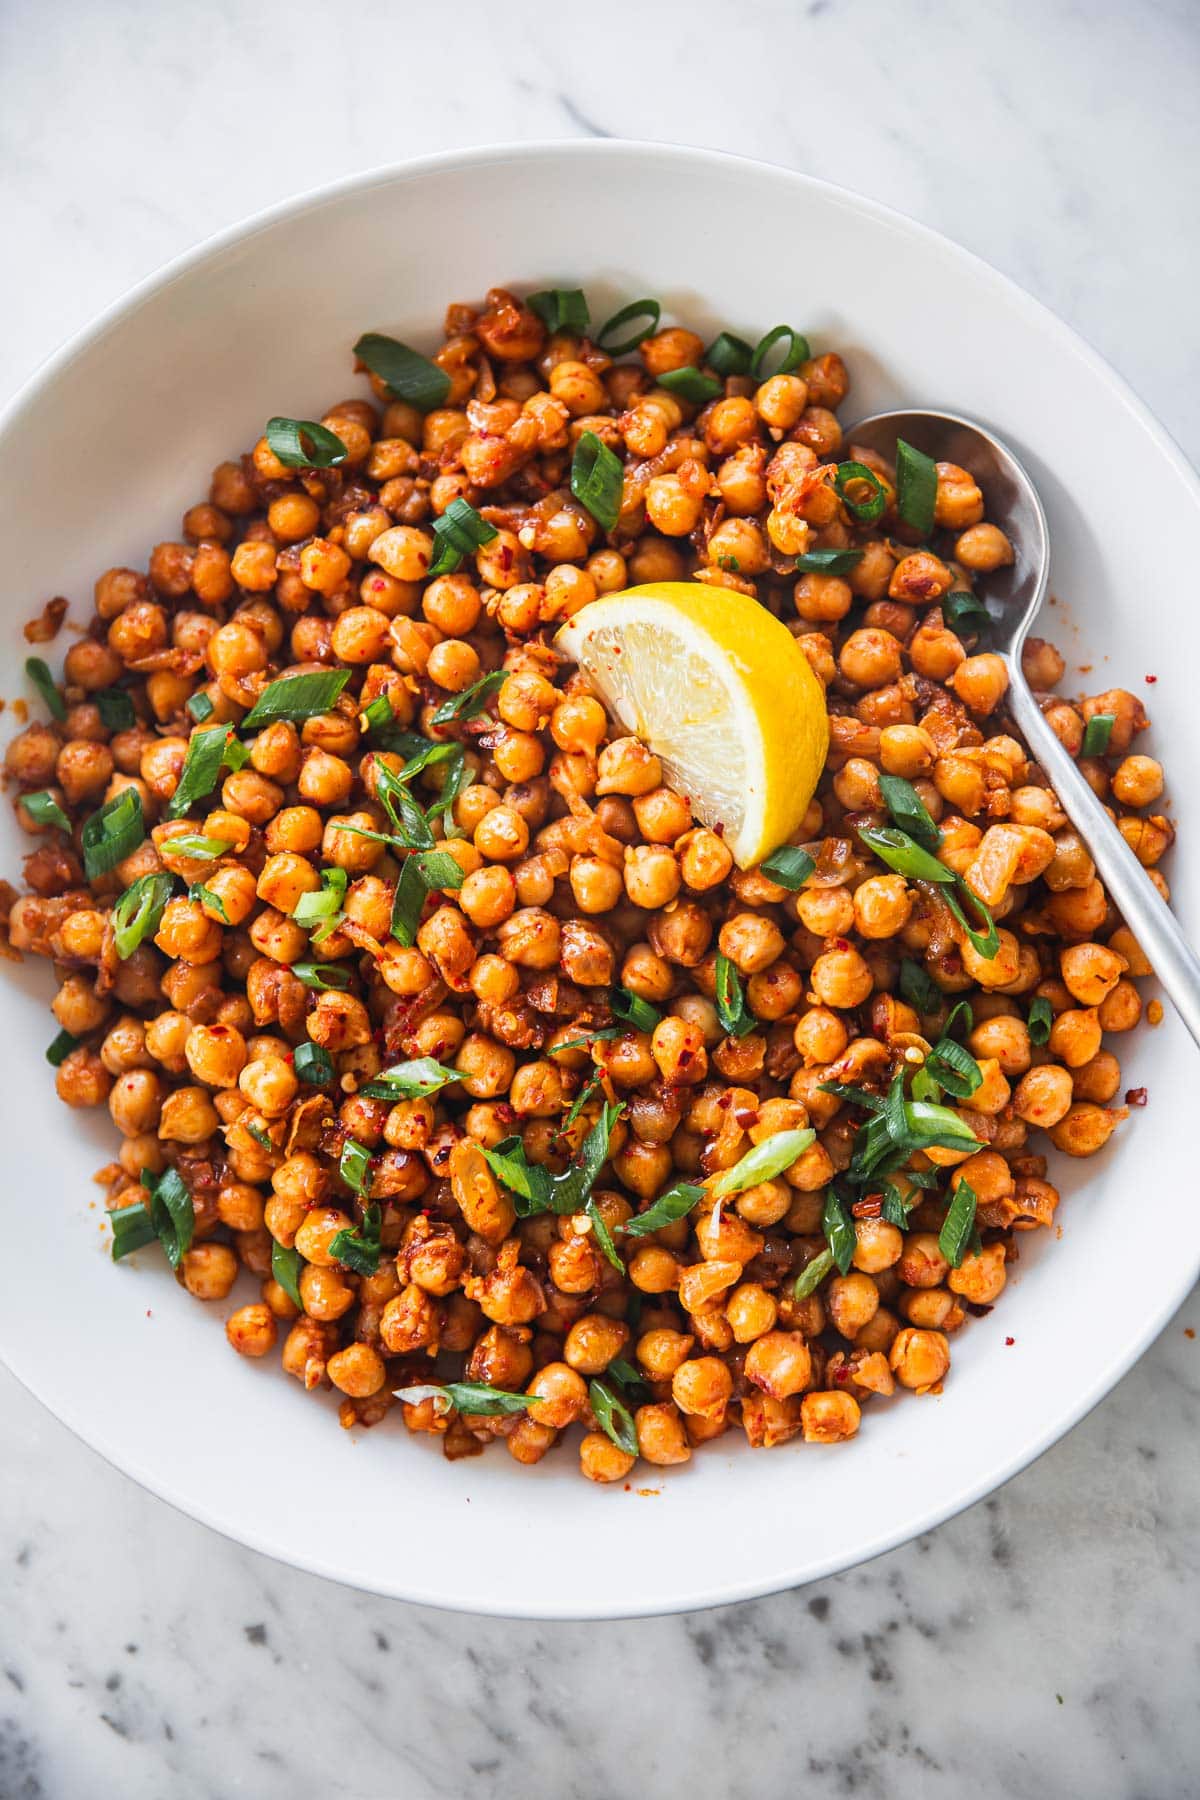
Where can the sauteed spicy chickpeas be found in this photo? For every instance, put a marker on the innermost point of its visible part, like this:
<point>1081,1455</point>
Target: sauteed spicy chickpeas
<point>420,996</point>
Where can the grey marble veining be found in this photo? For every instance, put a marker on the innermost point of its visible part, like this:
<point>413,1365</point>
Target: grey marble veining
<point>1044,1644</point>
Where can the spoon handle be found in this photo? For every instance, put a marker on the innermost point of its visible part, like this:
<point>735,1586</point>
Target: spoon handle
<point>1139,902</point>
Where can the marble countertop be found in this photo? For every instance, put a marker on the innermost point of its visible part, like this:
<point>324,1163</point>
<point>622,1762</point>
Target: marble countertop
<point>1046,1641</point>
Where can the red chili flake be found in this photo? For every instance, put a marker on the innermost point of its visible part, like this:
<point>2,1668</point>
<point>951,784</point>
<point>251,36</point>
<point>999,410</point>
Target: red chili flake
<point>1010,1340</point>
<point>868,1208</point>
<point>1152,679</point>
<point>149,1314</point>
<point>747,1117</point>
<point>726,1100</point>
<point>841,1373</point>
<point>839,943</point>
<point>506,556</point>
<point>1135,1096</point>
<point>1187,1330</point>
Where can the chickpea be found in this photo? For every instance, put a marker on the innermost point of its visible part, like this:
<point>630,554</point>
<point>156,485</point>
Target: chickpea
<point>840,978</point>
<point>216,1054</point>
<point>602,1460</point>
<point>562,1396</point>
<point>82,1080</point>
<point>919,1359</point>
<point>209,1272</point>
<point>702,1386</point>
<point>1075,1036</point>
<point>983,548</point>
<point>661,1436</point>
<point>981,1276</point>
<point>252,1330</point>
<point>829,1417</point>
<point>1137,782</point>
<point>188,1116</point>
<point>592,1342</point>
<point>882,906</point>
<point>1090,972</point>
<point>879,1245</point>
<point>779,1363</point>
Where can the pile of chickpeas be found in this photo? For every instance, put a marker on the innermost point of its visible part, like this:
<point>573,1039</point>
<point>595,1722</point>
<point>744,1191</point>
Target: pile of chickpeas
<point>583,871</point>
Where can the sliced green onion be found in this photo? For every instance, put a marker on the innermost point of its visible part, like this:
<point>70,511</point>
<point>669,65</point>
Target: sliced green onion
<point>354,1166</point>
<point>924,1119</point>
<point>813,1274</point>
<point>797,351</point>
<point>457,777</point>
<point>916,487</point>
<point>650,310</point>
<point>838,1227</point>
<point>857,1096</point>
<point>377,715</point>
<point>919,988</point>
<point>732,1012</point>
<point>763,1163</point>
<point>580,1101</point>
<point>113,833</point>
<point>561,309</point>
<point>986,942</point>
<point>420,874</point>
<point>467,1397</point>
<point>1041,1018</point>
<point>960,1009</point>
<point>623,1371</point>
<point>131,1229</point>
<point>789,867</point>
<point>313,1064</point>
<point>597,479</point>
<point>201,707</point>
<point>569,1191</point>
<point>323,905</point>
<point>603,1235</point>
<point>411,826</point>
<point>44,809</point>
<point>202,767</point>
<point>903,854</point>
<point>323,978</point>
<point>406,375</point>
<point>194,844</point>
<point>613,1417</point>
<point>61,1047</point>
<point>729,355</point>
<point>676,1203</point>
<point>470,702</point>
<point>954,1068</point>
<point>962,610</point>
<point>358,1246</point>
<point>116,709</point>
<point>828,562</point>
<point>171,1212</point>
<point>409,1080</point>
<point>895,1209</point>
<point>530,1182</point>
<point>1096,734</point>
<point>43,681</point>
<point>459,532</point>
<point>137,913</point>
<point>633,1009</point>
<point>867,507</point>
<point>303,444</point>
<point>958,1225</point>
<point>286,1267</point>
<point>909,811</point>
<point>691,384</point>
<point>296,697</point>
<point>598,1034</point>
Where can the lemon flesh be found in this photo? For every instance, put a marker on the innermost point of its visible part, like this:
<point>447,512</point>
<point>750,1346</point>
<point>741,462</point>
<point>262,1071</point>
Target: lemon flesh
<point>722,694</point>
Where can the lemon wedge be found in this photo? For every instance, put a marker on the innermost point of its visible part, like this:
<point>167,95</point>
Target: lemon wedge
<point>721,692</point>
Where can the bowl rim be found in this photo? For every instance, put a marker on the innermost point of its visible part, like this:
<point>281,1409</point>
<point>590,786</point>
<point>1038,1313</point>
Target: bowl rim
<point>309,200</point>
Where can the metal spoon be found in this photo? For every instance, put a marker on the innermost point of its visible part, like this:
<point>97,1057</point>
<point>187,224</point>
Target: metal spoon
<point>1013,596</point>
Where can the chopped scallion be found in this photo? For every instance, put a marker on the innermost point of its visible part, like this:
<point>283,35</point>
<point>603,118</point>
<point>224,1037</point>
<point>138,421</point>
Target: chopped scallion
<point>406,375</point>
<point>459,532</point>
<point>796,352</point>
<point>137,913</point>
<point>650,310</point>
<point>43,681</point>
<point>303,444</point>
<point>691,384</point>
<point>112,833</point>
<point>296,697</point>
<point>561,309</point>
<point>916,487</point>
<point>1097,732</point>
<point>597,479</point>
<point>861,492</point>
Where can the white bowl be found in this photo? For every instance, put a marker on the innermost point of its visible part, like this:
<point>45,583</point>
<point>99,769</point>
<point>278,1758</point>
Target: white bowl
<point>98,459</point>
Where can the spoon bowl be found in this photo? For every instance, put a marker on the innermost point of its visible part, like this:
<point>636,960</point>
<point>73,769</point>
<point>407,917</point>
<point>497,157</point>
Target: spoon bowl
<point>1013,595</point>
